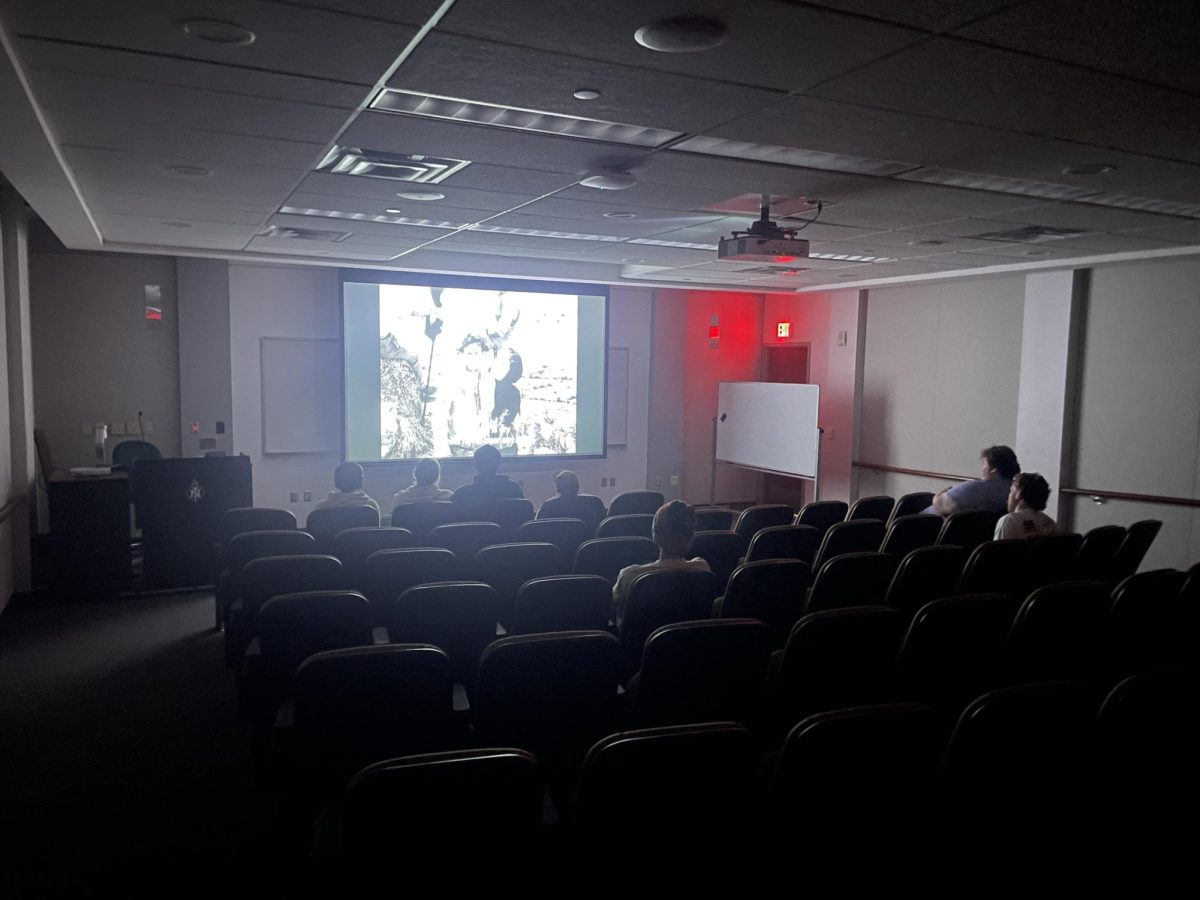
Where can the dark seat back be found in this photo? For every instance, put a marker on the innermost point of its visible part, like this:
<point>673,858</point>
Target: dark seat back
<point>908,533</point>
<point>772,591</point>
<point>127,453</point>
<point>508,566</point>
<point>1133,549</point>
<point>662,598</point>
<point>465,540</point>
<point>722,550</point>
<point>632,525</point>
<point>925,574</point>
<point>715,518</point>
<point>852,579</point>
<point>606,557</point>
<point>354,545</point>
<point>635,502</point>
<point>754,518</point>
<point>422,518</point>
<point>586,507</point>
<point>510,513</point>
<point>878,507</point>
<point>324,524</point>
<point>911,504</point>
<point>856,536</point>
<point>1057,632</point>
<point>969,528</point>
<point>249,545</point>
<point>1097,552</point>
<point>784,542</point>
<point>822,514</point>
<point>457,616</point>
<point>706,671</point>
<point>254,518</point>
<point>389,573</point>
<point>1140,632</point>
<point>270,576</point>
<point>1051,559</point>
<point>563,603</point>
<point>996,567</point>
<point>565,534</point>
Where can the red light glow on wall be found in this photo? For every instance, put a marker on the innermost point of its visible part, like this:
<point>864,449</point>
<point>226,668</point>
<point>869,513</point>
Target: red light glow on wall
<point>714,332</point>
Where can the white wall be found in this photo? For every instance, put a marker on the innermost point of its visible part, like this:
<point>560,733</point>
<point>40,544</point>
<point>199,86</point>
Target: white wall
<point>205,388</point>
<point>97,358</point>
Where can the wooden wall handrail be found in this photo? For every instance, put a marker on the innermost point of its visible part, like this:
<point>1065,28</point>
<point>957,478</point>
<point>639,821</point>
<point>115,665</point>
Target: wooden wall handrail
<point>1139,498</point>
<point>900,470</point>
<point>11,506</point>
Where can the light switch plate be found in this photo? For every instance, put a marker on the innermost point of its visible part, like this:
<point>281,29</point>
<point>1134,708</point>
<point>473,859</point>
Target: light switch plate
<point>294,497</point>
<point>148,425</point>
<point>675,479</point>
<point>117,428</point>
<point>131,427</point>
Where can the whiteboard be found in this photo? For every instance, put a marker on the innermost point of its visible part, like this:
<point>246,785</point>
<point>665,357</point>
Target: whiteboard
<point>768,426</point>
<point>301,395</point>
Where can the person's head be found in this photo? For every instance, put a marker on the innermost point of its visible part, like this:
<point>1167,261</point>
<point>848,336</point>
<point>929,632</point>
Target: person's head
<point>998,462</point>
<point>566,483</point>
<point>348,477</point>
<point>427,472</point>
<point>674,528</point>
<point>1029,491</point>
<point>487,460</point>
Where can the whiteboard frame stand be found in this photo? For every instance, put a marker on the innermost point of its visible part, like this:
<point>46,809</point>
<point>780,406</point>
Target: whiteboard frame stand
<point>712,481</point>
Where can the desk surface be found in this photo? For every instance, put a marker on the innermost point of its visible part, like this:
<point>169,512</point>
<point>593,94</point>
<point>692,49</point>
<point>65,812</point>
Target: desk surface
<point>62,476</point>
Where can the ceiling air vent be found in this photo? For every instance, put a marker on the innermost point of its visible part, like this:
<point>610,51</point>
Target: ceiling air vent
<point>413,168</point>
<point>304,234</point>
<point>1030,234</point>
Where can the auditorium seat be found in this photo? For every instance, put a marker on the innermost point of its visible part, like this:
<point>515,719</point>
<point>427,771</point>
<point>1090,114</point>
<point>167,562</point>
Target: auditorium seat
<point>465,540</point>
<point>908,533</point>
<point>662,598</point>
<point>822,514</point>
<point>459,617</point>
<point>670,795</point>
<point>635,502</point>
<point>510,513</point>
<point>702,671</point>
<point>852,579</point>
<point>835,659</point>
<point>422,518</point>
<point>565,534</point>
<point>477,811</point>
<point>354,545</point>
<point>1051,559</point>
<point>1014,757</point>
<point>855,536</point>
<point>864,769</point>
<point>1138,628</point>
<point>248,545</point>
<point>722,550</point>
<point>951,652</point>
<point>251,518</point>
<point>925,574</point>
<point>389,573</point>
<point>289,628</point>
<point>772,591</point>
<point>765,515</point>
<point>324,524</point>
<point>1133,549</point>
<point>552,694</point>
<point>879,507</point>
<point>1097,552</point>
<point>586,507</point>
<point>784,542</point>
<point>268,577</point>
<point>911,505</point>
<point>632,525</point>
<point>996,567</point>
<point>1184,620</point>
<point>508,566</point>
<point>715,518</point>
<point>1057,632</point>
<point>563,603</point>
<point>968,529</point>
<point>606,557</point>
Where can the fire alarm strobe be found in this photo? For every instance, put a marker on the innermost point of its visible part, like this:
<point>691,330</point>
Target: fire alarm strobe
<point>764,242</point>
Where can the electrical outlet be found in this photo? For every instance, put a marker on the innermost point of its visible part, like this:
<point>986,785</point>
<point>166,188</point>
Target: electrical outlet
<point>308,496</point>
<point>294,497</point>
<point>674,479</point>
<point>658,481</point>
<point>612,481</point>
<point>603,481</point>
<point>131,427</point>
<point>117,428</point>
<point>149,426</point>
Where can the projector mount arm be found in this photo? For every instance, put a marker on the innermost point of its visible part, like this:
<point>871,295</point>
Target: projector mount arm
<point>765,229</point>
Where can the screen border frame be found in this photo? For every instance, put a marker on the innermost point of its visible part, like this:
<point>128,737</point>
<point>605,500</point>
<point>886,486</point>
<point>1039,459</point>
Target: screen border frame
<point>532,463</point>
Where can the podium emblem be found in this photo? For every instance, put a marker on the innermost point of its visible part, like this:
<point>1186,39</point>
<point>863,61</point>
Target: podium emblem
<point>195,492</point>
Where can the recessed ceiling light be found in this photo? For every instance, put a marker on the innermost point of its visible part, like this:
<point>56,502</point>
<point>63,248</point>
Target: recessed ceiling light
<point>632,259</point>
<point>1089,169</point>
<point>929,243</point>
<point>393,211</point>
<point>190,171</point>
<point>586,94</point>
<point>420,195</point>
<point>620,215</point>
<point>216,32</point>
<point>1036,253</point>
<point>682,34</point>
<point>178,224</point>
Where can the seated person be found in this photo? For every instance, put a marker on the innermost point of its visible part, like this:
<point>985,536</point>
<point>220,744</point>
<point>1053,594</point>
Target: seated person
<point>1026,499</point>
<point>488,484</point>
<point>569,503</point>
<point>349,478</point>
<point>425,487</point>
<point>990,491</point>
<point>674,528</point>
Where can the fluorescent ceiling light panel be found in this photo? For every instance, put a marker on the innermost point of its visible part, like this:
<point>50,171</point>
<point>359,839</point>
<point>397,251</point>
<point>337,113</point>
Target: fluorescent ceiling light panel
<point>367,217</point>
<point>790,156</point>
<point>682,244</point>
<point>535,232</point>
<point>413,168</point>
<point>997,184</point>
<point>852,257</point>
<point>1145,204</point>
<point>431,106</point>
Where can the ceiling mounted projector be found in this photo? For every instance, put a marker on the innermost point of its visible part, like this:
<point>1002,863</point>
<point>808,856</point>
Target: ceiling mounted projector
<point>764,242</point>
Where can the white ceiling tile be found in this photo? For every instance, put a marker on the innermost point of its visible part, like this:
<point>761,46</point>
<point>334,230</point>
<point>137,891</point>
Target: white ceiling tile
<point>1114,243</point>
<point>664,256</point>
<point>158,207</point>
<point>167,237</point>
<point>438,212</point>
<point>382,234</point>
<point>152,169</point>
<point>933,15</point>
<point>1180,233</point>
<point>382,192</point>
<point>526,218</point>
<point>771,43</point>
<point>1081,215</point>
<point>304,41</point>
<point>199,228</point>
<point>468,69</point>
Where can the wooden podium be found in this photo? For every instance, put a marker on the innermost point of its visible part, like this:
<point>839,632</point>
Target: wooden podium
<point>179,504</point>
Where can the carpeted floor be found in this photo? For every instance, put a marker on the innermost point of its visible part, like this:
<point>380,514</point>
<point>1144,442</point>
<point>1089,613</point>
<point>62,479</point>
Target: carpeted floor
<point>121,756</point>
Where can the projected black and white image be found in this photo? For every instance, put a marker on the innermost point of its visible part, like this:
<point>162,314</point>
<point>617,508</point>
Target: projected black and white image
<point>461,368</point>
